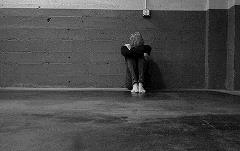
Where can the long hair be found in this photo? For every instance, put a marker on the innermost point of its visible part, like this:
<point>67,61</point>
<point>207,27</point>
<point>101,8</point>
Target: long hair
<point>136,39</point>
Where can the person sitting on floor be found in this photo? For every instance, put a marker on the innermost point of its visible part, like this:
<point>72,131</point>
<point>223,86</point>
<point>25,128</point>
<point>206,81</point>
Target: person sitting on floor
<point>136,53</point>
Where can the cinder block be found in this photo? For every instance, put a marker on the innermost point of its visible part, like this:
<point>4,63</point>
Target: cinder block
<point>41,22</point>
<point>107,81</point>
<point>81,48</point>
<point>173,41</point>
<point>42,12</point>
<point>80,80</point>
<point>42,33</point>
<point>37,45</point>
<point>104,23</point>
<point>237,48</point>
<point>194,20</point>
<point>1,69</point>
<point>137,23</point>
<point>149,35</point>
<point>32,80</point>
<point>25,69</point>
<point>102,34</point>
<point>9,74</point>
<point>193,40</point>
<point>105,69</point>
<point>159,36</point>
<point>117,68</point>
<point>99,68</point>
<point>105,57</point>
<point>27,75</point>
<point>194,37</point>
<point>184,77</point>
<point>24,57</point>
<point>67,69</point>
<point>79,57</point>
<point>158,45</point>
<point>58,57</point>
<point>230,49</point>
<point>217,48</point>
<point>104,46</point>
<point>166,21</point>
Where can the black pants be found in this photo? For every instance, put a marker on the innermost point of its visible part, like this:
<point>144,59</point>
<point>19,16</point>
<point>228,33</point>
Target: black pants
<point>136,71</point>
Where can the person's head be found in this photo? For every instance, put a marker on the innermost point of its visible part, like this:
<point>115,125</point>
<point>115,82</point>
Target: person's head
<point>136,39</point>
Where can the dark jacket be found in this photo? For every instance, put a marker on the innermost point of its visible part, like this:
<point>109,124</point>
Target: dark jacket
<point>135,52</point>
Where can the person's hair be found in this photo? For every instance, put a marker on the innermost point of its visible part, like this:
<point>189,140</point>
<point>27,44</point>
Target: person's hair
<point>136,39</point>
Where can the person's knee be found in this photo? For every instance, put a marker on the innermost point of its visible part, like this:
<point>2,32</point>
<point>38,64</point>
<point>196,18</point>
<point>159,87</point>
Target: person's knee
<point>130,60</point>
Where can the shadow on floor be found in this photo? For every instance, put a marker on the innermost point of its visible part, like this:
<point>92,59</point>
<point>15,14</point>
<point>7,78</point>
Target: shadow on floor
<point>153,77</point>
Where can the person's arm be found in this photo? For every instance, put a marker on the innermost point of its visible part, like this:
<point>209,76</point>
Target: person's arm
<point>147,49</point>
<point>133,52</point>
<point>140,50</point>
<point>126,52</point>
<point>147,52</point>
<point>136,51</point>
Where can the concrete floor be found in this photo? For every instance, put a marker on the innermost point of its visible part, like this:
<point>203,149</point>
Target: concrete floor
<point>118,121</point>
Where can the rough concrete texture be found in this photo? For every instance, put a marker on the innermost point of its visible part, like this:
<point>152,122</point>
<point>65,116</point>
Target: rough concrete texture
<point>233,64</point>
<point>230,49</point>
<point>81,48</point>
<point>237,49</point>
<point>216,51</point>
<point>98,120</point>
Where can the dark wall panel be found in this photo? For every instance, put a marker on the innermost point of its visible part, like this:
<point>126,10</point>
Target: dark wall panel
<point>217,48</point>
<point>81,48</point>
<point>230,49</point>
<point>237,49</point>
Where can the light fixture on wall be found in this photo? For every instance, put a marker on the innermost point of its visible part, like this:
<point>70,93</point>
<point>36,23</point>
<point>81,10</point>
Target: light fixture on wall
<point>146,11</point>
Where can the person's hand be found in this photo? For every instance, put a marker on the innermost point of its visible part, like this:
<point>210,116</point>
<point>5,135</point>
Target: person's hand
<point>146,57</point>
<point>128,46</point>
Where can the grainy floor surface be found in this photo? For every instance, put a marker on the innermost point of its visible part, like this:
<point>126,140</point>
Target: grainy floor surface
<point>118,121</point>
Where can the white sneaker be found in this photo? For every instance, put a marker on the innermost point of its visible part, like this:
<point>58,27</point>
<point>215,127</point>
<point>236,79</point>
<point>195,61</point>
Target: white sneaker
<point>141,89</point>
<point>135,88</point>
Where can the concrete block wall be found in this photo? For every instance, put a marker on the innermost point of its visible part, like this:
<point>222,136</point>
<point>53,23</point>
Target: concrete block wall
<point>216,48</point>
<point>221,68</point>
<point>222,65</point>
<point>230,49</point>
<point>81,48</point>
<point>77,43</point>
<point>237,48</point>
<point>233,49</point>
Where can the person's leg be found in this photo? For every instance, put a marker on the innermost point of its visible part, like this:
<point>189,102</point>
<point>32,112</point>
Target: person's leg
<point>147,74</point>
<point>141,71</point>
<point>141,64</point>
<point>132,66</point>
<point>128,79</point>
